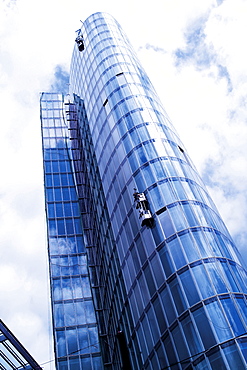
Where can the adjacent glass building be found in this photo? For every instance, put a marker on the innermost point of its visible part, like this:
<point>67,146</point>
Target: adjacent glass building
<point>144,274</point>
<point>13,355</point>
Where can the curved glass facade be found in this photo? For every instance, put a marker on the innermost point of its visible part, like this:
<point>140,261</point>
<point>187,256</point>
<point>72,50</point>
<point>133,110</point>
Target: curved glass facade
<point>169,294</point>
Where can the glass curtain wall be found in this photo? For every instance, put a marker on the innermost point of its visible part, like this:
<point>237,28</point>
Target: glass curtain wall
<point>182,292</point>
<point>74,320</point>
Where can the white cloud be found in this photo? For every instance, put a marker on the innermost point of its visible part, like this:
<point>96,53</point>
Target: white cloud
<point>36,36</point>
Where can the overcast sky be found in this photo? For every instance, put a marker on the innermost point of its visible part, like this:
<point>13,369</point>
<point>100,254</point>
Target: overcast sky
<point>195,54</point>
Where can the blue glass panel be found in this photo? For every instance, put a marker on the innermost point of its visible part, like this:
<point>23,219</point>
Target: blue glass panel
<point>49,195</point>
<point>93,339</point>
<point>86,363</point>
<point>203,281</point>
<point>240,274</point>
<point>66,286</point>
<point>216,277</point>
<point>168,305</point>
<point>55,268</point>
<point>157,233</point>
<point>176,215</point>
<point>167,192</point>
<point>140,183</point>
<point>63,166</point>
<point>243,345</point>
<point>193,340</point>
<point>166,223</point>
<point>189,287</point>
<point>147,334</point>
<point>141,251</point>
<point>76,287</point>
<point>141,155</point>
<point>83,340</point>
<point>134,135</point>
<point>51,211</point>
<point>60,227</point>
<point>156,198</point>
<point>189,247</point>
<point>166,261</point>
<point>71,338</point>
<point>157,270</point>
<point>218,320</point>
<point>73,243</point>
<point>63,364</point>
<point>69,226</point>
<point>204,327</point>
<point>133,162</point>
<point>162,357</point>
<point>67,209</point>
<point>58,315</point>
<point>203,247</point>
<point>56,288</point>
<point>179,189</point>
<point>176,252</point>
<point>169,168</point>
<point>148,175</point>
<point>143,132</point>
<point>178,296</point>
<point>66,194</point>
<point>52,227</point>
<point>216,360</point>
<point>56,179</point>
<point>233,357</point>
<point>74,363</point>
<point>55,166</point>
<point>149,280</point>
<point>158,170</point>
<point>180,343</point>
<point>78,227</point>
<point>58,195</point>
<point>47,167</point>
<point>233,316</point>
<point>142,341</point>
<point>212,241</point>
<point>223,245</point>
<point>231,281</point>
<point>191,219</point>
<point>64,179</point>
<point>150,150</point>
<point>89,308</point>
<point>97,363</point>
<point>86,287</point>
<point>61,343</point>
<point>73,194</point>
<point>159,315</point>
<point>48,180</point>
<point>170,353</point>
<point>242,306</point>
<point>154,362</point>
<point>80,312</point>
<point>153,324</point>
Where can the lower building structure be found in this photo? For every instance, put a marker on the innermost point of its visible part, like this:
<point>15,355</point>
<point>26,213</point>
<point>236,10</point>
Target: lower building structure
<point>13,355</point>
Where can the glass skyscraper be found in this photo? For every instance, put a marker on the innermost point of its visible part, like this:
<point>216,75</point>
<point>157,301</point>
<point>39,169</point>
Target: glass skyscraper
<point>144,273</point>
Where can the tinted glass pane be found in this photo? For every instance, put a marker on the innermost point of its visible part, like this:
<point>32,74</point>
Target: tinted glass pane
<point>204,328</point>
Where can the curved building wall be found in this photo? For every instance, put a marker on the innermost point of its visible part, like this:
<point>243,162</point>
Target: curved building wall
<point>179,285</point>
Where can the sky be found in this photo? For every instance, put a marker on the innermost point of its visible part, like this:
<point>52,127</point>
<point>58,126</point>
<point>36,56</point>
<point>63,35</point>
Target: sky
<point>194,53</point>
